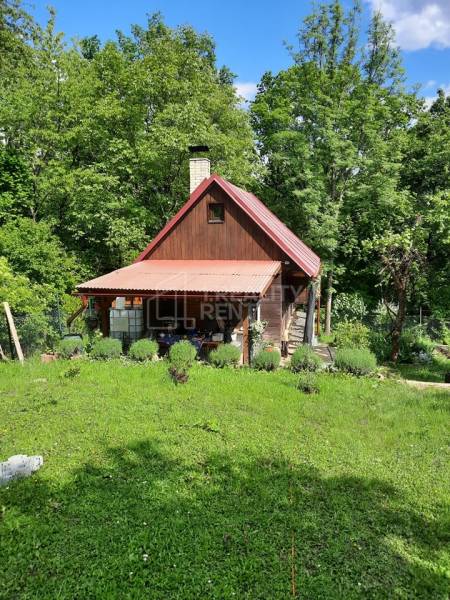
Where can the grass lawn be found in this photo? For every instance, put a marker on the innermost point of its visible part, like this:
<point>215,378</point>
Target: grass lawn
<point>433,371</point>
<point>234,485</point>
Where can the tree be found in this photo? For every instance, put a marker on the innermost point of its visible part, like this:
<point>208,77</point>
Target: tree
<point>401,256</point>
<point>103,133</point>
<point>324,127</point>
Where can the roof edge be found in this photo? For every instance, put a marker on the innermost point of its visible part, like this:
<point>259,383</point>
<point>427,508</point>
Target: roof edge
<point>227,188</point>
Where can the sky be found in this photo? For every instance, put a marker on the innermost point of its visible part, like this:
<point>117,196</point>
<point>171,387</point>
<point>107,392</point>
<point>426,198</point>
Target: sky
<point>251,35</point>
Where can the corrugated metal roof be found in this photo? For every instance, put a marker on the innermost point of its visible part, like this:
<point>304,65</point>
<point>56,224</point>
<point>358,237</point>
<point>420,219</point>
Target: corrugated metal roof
<point>195,276</point>
<point>276,230</point>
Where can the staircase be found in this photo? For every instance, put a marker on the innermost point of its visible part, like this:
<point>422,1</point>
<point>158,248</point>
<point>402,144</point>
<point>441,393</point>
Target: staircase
<point>296,330</point>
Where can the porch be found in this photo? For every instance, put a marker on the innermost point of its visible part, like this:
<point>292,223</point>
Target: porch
<point>207,302</point>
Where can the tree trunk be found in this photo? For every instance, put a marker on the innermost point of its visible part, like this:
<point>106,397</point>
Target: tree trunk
<point>329,302</point>
<point>397,326</point>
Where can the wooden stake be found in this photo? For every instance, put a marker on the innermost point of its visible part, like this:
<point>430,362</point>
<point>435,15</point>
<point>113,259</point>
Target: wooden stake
<point>13,331</point>
<point>245,336</point>
<point>2,354</point>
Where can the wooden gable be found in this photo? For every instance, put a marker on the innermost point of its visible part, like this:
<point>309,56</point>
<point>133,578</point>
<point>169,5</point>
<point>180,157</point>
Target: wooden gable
<point>238,237</point>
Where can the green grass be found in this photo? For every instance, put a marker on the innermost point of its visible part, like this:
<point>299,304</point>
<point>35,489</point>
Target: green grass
<point>235,485</point>
<point>433,371</point>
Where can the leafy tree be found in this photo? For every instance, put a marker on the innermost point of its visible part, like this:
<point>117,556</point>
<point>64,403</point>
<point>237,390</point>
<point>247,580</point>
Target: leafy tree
<point>104,133</point>
<point>33,251</point>
<point>327,128</point>
<point>401,257</point>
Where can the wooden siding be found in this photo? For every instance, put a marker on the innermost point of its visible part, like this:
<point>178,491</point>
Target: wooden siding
<point>271,311</point>
<point>238,238</point>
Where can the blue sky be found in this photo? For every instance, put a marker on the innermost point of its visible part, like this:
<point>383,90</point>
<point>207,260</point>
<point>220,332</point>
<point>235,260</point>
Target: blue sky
<point>249,34</point>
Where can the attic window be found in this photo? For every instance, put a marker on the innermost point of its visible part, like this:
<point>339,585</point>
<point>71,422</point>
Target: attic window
<point>216,213</point>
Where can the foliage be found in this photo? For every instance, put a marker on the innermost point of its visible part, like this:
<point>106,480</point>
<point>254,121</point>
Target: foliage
<point>349,307</point>
<point>357,361</point>
<point>34,251</point>
<point>22,295</point>
<point>225,454</point>
<point>266,360</point>
<point>97,135</point>
<point>351,335</point>
<point>307,383</point>
<point>256,331</point>
<point>305,359</point>
<point>68,347</point>
<point>401,257</point>
<point>225,355</point>
<point>181,357</point>
<point>143,350</point>
<point>415,345</point>
<point>379,344</point>
<point>106,348</point>
<point>330,129</point>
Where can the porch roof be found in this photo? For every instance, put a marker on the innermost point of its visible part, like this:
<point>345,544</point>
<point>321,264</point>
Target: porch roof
<point>153,277</point>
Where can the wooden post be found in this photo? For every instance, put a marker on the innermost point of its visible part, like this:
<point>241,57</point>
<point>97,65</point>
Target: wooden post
<point>318,308</point>
<point>245,335</point>
<point>13,331</point>
<point>104,304</point>
<point>310,309</point>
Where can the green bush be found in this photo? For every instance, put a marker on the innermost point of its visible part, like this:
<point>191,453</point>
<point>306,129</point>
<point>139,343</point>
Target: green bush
<point>105,348</point>
<point>351,335</point>
<point>267,361</point>
<point>143,350</point>
<point>225,355</point>
<point>414,344</point>
<point>305,359</point>
<point>358,361</point>
<point>380,345</point>
<point>181,357</point>
<point>69,347</point>
<point>348,307</point>
<point>307,383</point>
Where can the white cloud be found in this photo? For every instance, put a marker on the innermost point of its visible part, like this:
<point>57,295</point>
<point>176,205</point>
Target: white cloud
<point>246,89</point>
<point>418,23</point>
<point>430,99</point>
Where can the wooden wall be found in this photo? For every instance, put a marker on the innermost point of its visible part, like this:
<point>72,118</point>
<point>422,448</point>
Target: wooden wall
<point>271,310</point>
<point>238,238</point>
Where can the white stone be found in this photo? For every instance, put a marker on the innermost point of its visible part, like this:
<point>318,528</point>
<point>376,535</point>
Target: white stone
<point>19,465</point>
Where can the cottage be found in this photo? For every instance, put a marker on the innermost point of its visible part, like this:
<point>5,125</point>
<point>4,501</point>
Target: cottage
<point>223,261</point>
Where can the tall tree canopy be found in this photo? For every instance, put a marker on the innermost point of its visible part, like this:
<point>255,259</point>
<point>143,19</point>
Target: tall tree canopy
<point>96,137</point>
<point>331,129</point>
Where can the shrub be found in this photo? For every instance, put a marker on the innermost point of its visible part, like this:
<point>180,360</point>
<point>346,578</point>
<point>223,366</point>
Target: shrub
<point>267,361</point>
<point>415,345</point>
<point>351,335</point>
<point>380,345</point>
<point>105,348</point>
<point>305,359</point>
<point>181,357</point>
<point>307,383</point>
<point>225,355</point>
<point>143,350</point>
<point>349,307</point>
<point>358,361</point>
<point>69,347</point>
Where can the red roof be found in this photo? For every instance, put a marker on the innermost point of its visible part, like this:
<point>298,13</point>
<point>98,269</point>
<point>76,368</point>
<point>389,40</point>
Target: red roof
<point>236,277</point>
<point>276,230</point>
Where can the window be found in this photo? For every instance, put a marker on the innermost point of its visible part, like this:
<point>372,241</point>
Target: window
<point>216,213</point>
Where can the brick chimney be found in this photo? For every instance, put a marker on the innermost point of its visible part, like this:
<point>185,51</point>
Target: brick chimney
<point>199,168</point>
